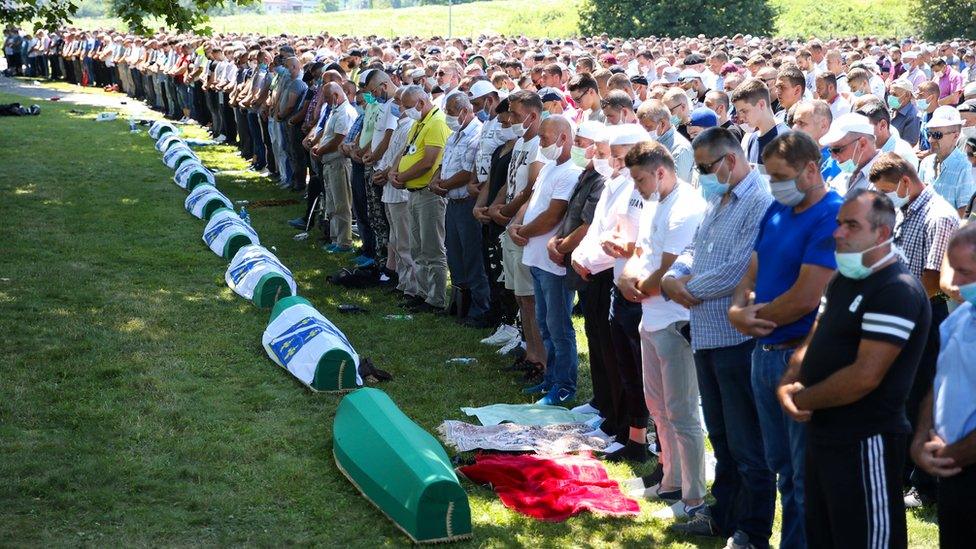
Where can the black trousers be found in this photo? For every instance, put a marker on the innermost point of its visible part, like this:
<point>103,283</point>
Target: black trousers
<point>854,493</point>
<point>957,523</point>
<point>625,317</point>
<point>914,476</point>
<point>604,374</point>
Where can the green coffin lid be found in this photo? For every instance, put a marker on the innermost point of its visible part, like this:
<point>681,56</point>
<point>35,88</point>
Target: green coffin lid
<point>235,243</point>
<point>271,288</point>
<point>399,468</point>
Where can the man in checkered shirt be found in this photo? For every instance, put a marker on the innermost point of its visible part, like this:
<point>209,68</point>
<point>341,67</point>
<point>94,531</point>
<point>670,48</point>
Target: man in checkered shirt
<point>926,222</point>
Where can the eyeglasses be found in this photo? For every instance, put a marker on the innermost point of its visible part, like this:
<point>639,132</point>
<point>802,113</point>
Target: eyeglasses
<point>939,135</point>
<point>707,168</point>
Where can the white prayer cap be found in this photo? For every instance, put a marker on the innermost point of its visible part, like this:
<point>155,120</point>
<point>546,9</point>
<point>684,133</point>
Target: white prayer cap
<point>628,134</point>
<point>592,129</point>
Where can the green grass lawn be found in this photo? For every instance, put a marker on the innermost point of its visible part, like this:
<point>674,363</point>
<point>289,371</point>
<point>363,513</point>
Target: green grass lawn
<point>137,405</point>
<point>554,18</point>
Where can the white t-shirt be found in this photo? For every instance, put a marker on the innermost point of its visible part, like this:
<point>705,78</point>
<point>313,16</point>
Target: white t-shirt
<point>523,155</point>
<point>340,122</point>
<point>668,227</point>
<point>555,182</point>
<point>627,211</point>
<point>590,252</point>
<point>385,122</point>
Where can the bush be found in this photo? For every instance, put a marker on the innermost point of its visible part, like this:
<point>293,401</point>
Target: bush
<point>634,18</point>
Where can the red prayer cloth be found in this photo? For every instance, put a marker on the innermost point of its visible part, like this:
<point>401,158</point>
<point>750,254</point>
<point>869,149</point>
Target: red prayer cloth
<point>551,488</point>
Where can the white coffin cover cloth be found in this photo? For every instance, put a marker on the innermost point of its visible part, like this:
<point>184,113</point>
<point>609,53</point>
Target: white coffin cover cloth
<point>189,169</point>
<point>222,226</point>
<point>168,140</point>
<point>176,152</point>
<point>197,199</point>
<point>298,337</point>
<point>249,265</point>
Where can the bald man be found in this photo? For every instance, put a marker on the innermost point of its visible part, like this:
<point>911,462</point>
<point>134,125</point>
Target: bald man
<point>537,222</point>
<point>336,168</point>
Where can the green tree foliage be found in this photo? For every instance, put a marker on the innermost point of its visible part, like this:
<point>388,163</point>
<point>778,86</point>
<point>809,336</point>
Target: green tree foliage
<point>944,19</point>
<point>635,18</point>
<point>182,15</point>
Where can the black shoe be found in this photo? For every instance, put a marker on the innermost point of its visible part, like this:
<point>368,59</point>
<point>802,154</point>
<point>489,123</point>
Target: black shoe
<point>425,307</point>
<point>411,301</point>
<point>655,476</point>
<point>479,323</point>
<point>633,451</point>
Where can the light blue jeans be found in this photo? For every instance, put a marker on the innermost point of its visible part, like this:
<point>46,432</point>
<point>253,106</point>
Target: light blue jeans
<point>553,312</point>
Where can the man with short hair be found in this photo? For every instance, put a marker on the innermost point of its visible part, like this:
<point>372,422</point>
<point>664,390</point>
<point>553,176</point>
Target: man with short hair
<point>336,167</point>
<point>618,108</point>
<point>777,299</point>
<point>703,279</point>
<point>947,170</point>
<point>462,230</point>
<point>813,118</point>
<point>923,231</point>
<point>826,86</point>
<point>583,90</point>
<point>679,106</point>
<point>666,228</point>
<point>945,436</point>
<point>927,100</point>
<point>852,144</point>
<point>654,116</point>
<point>531,229</point>
<point>850,380</point>
<point>718,101</point>
<point>751,100</point>
<point>884,139</point>
<point>422,157</point>
<point>949,80</point>
<point>790,86</point>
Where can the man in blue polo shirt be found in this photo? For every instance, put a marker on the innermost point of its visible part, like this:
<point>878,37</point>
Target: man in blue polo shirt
<point>792,261</point>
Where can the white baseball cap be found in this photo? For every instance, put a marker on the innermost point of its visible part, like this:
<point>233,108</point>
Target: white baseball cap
<point>481,88</point>
<point>846,124</point>
<point>944,116</point>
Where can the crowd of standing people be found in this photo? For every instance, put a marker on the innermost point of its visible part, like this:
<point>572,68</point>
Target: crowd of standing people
<point>774,230</point>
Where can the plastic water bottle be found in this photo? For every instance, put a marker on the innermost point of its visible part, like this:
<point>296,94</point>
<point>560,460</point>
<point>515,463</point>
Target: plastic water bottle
<point>464,361</point>
<point>132,126</point>
<point>245,217</point>
<point>398,317</point>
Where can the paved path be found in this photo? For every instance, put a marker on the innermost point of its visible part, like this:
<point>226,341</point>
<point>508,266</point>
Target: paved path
<point>36,91</point>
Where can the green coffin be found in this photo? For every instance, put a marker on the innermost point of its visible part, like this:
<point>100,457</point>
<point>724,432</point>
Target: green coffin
<point>400,468</point>
<point>336,369</point>
<point>271,288</point>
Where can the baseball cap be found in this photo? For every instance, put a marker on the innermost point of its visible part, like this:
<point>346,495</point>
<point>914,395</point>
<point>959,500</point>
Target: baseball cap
<point>903,85</point>
<point>670,75</point>
<point>550,94</point>
<point>846,124</point>
<point>967,106</point>
<point>693,59</point>
<point>944,117</point>
<point>688,74</point>
<point>638,79</point>
<point>481,88</point>
<point>703,117</point>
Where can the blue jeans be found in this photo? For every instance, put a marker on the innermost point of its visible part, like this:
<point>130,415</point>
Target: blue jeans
<point>257,140</point>
<point>554,314</point>
<point>784,440</point>
<point>744,487</point>
<point>464,257</point>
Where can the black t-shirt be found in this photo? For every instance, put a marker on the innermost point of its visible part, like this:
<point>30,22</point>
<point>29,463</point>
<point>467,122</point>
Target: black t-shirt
<point>889,305</point>
<point>497,177</point>
<point>735,129</point>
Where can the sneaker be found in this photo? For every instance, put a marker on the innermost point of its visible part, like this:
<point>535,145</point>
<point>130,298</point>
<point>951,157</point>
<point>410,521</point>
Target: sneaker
<point>654,493</point>
<point>678,511</point>
<point>220,138</point>
<point>363,261</point>
<point>330,248</point>
<point>557,397</point>
<point>700,525</point>
<point>586,408</point>
<point>297,223</point>
<point>914,499</point>
<point>510,346</point>
<point>536,389</point>
<point>503,335</point>
<point>739,540</point>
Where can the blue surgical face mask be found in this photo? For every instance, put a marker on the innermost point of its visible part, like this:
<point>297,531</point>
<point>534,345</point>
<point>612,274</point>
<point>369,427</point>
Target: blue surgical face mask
<point>848,166</point>
<point>675,121</point>
<point>395,110</point>
<point>710,184</point>
<point>482,115</point>
<point>851,264</point>
<point>922,104</point>
<point>263,66</point>
<point>968,292</point>
<point>893,102</point>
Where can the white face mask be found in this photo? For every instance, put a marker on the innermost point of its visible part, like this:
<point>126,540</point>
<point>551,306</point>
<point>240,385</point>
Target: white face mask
<point>412,112</point>
<point>520,129</point>
<point>431,81</point>
<point>506,134</point>
<point>453,123</point>
<point>551,152</point>
<point>603,167</point>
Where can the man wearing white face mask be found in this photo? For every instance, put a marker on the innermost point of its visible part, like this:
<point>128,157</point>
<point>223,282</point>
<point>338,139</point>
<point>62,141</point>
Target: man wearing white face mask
<point>655,117</point>
<point>532,228</point>
<point>463,232</point>
<point>852,143</point>
<point>923,231</point>
<point>850,380</point>
<point>777,299</point>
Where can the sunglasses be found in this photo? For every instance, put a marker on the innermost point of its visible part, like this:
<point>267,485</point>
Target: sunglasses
<point>837,149</point>
<point>939,135</point>
<point>707,168</point>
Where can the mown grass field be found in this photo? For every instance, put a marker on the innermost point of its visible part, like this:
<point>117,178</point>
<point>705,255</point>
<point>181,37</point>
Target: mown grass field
<point>137,406</point>
<point>554,19</point>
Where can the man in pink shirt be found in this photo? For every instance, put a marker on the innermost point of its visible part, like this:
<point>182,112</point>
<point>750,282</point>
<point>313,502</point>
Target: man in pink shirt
<point>949,80</point>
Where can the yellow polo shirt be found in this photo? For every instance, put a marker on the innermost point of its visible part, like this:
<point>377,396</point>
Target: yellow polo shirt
<point>431,131</point>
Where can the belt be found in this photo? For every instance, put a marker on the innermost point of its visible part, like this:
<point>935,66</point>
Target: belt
<point>791,344</point>
<point>415,190</point>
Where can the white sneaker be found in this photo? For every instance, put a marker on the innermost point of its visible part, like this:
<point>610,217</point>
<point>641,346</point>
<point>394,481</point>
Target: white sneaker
<point>221,138</point>
<point>513,343</point>
<point>653,493</point>
<point>677,511</point>
<point>586,408</point>
<point>502,335</point>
